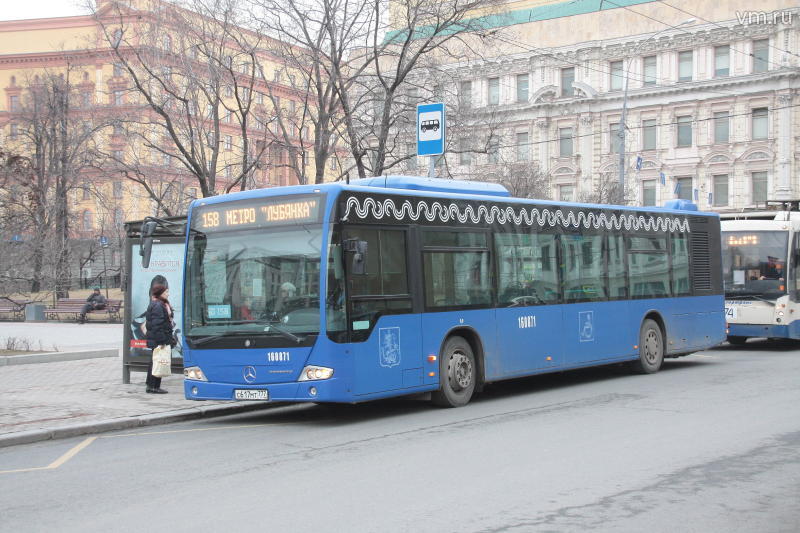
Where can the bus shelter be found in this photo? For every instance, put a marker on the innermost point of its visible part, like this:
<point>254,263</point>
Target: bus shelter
<point>166,268</point>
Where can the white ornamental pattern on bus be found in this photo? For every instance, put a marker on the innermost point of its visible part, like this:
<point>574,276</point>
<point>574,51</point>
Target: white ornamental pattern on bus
<point>387,208</point>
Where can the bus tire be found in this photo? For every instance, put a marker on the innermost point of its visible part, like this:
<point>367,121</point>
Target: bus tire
<point>737,340</point>
<point>457,374</point>
<point>651,348</point>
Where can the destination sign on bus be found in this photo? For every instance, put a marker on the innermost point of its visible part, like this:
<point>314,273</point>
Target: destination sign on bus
<point>257,213</point>
<point>742,240</point>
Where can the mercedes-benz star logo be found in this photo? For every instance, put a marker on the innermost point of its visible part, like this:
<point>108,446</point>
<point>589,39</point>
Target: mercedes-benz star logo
<point>249,373</point>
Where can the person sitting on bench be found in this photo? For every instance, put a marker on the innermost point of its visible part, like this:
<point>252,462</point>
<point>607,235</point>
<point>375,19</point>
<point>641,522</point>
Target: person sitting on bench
<point>94,301</point>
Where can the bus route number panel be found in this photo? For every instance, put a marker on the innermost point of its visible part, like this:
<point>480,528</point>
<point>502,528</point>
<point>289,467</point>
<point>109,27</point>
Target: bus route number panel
<point>257,213</point>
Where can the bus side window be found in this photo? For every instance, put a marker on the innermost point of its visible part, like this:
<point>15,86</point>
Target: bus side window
<point>617,271</point>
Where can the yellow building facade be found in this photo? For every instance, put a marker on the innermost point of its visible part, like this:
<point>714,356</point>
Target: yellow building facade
<point>102,92</point>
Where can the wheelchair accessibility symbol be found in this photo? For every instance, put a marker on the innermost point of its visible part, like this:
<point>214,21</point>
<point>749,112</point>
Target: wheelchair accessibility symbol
<point>586,326</point>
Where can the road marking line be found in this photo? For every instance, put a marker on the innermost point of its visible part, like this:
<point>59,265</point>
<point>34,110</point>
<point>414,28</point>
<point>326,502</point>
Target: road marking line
<point>72,452</point>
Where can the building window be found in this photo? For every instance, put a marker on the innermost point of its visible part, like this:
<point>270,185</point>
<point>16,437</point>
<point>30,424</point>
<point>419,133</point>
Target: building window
<point>228,142</point>
<point>87,192</point>
<point>614,140</point>
<point>117,189</point>
<point>117,155</point>
<point>761,55</point>
<point>616,75</point>
<point>494,91</point>
<point>13,103</point>
<point>722,61</point>
<point>567,79</point>
<point>118,70</point>
<point>87,220</point>
<point>649,70</point>
<point>683,188</point>
<point>522,88</point>
<point>465,94</point>
<point>493,151</point>
<point>684,131</point>
<point>86,99</point>
<point>464,155</point>
<point>649,134</point>
<point>13,131</point>
<point>685,65</point>
<point>119,217</point>
<point>720,191</point>
<point>759,187</point>
<point>192,192</point>
<point>760,123</point>
<point>565,142</point>
<point>566,193</point>
<point>721,127</point>
<point>523,147</point>
<point>411,162</point>
<point>260,98</point>
<point>118,97</point>
<point>649,192</point>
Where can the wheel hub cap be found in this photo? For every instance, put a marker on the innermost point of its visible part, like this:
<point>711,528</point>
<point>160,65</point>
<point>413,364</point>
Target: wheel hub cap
<point>460,371</point>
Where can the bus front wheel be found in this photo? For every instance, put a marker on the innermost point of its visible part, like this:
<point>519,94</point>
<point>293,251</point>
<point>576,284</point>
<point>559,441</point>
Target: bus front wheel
<point>651,348</point>
<point>738,341</point>
<point>457,374</point>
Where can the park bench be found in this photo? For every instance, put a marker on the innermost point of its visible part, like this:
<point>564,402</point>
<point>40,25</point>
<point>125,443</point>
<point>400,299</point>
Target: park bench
<point>71,307</point>
<point>12,309</point>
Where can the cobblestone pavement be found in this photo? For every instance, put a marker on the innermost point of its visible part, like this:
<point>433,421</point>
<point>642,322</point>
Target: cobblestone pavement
<point>57,394</point>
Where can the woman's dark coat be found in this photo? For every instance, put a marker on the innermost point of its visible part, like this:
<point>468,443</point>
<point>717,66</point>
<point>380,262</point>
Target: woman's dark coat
<point>159,325</point>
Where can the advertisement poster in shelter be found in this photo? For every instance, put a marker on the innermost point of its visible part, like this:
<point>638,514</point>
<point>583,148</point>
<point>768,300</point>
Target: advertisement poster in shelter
<point>166,268</point>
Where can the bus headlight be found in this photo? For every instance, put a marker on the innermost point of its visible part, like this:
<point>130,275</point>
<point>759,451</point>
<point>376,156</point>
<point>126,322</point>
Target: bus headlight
<point>314,373</point>
<point>194,373</point>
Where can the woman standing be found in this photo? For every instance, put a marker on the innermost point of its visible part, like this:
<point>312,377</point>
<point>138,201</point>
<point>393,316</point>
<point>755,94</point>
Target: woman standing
<point>159,330</point>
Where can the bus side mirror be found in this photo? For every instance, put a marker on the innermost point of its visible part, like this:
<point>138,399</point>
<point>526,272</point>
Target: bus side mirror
<point>146,245</point>
<point>359,251</point>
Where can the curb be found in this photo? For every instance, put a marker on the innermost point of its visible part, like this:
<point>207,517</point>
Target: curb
<point>52,357</point>
<point>129,422</point>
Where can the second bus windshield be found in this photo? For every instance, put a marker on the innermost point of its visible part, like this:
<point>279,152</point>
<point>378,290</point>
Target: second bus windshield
<point>754,263</point>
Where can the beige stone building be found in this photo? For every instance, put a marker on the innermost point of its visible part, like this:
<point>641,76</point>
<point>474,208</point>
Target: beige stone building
<point>712,98</point>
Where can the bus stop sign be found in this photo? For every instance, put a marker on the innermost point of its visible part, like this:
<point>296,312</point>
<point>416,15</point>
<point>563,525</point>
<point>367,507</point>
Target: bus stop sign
<point>430,129</point>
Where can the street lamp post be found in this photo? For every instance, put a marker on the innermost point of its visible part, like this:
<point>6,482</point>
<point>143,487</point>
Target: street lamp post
<point>622,126</point>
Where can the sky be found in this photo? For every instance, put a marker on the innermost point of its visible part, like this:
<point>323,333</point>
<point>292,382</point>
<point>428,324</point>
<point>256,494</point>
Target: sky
<point>34,9</point>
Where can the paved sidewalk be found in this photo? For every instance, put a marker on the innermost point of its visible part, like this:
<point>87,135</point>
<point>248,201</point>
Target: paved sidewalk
<point>60,399</point>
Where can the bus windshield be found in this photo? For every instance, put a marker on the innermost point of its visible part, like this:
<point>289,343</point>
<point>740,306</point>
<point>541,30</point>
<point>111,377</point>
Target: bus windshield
<point>754,263</point>
<point>254,282</point>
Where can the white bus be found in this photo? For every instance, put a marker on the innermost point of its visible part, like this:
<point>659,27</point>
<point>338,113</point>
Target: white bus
<point>760,254</point>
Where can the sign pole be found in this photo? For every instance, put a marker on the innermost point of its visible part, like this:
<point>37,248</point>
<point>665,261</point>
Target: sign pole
<point>432,166</point>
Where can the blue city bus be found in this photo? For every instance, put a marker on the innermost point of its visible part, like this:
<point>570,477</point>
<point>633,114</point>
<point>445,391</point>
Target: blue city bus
<point>399,285</point>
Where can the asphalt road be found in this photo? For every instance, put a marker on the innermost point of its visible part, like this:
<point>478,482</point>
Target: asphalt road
<point>710,443</point>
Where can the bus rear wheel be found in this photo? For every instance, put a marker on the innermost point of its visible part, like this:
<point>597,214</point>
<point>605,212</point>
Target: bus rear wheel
<point>457,374</point>
<point>651,348</point>
<point>738,341</point>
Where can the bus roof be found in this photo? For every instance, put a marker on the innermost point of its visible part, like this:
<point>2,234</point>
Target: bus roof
<point>418,183</point>
<point>441,188</point>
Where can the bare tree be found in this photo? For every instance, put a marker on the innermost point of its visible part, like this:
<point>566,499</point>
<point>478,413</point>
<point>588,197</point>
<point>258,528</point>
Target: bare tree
<point>55,140</point>
<point>195,69</point>
<point>360,59</point>
<point>606,190</point>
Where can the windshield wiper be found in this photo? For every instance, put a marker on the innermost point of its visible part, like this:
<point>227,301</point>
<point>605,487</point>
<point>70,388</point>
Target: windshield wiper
<point>272,325</point>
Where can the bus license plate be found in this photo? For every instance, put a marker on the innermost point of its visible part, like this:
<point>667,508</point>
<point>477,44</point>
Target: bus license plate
<point>251,394</point>
<point>731,313</point>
